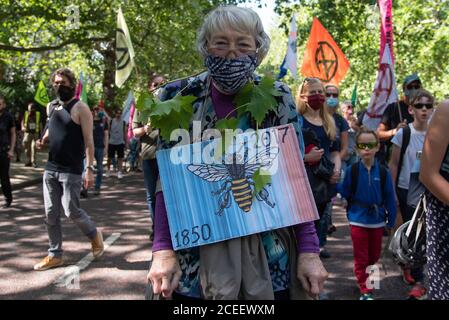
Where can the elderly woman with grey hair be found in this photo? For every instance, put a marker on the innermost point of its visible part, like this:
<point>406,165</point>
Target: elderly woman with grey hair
<point>279,264</point>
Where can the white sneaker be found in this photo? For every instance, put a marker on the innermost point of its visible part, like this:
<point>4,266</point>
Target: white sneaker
<point>106,174</point>
<point>119,175</point>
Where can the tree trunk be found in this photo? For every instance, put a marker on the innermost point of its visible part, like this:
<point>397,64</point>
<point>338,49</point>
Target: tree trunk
<point>109,88</point>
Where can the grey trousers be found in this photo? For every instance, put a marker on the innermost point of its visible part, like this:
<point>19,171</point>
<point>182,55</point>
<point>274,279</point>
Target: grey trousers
<point>62,192</point>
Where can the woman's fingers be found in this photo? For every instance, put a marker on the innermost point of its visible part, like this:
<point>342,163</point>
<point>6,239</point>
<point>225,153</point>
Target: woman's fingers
<point>166,287</point>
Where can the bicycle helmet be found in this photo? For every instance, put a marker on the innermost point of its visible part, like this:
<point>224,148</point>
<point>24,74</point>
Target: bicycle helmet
<point>408,248</point>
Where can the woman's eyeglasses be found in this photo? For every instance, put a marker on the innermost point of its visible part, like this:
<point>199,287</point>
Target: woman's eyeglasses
<point>422,105</point>
<point>225,48</point>
<point>369,145</point>
<point>333,95</point>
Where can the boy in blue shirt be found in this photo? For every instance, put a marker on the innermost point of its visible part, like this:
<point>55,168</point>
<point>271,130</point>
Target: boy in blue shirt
<point>369,191</point>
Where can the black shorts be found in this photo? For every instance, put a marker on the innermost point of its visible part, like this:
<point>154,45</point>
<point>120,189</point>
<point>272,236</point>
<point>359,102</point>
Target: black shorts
<point>116,148</point>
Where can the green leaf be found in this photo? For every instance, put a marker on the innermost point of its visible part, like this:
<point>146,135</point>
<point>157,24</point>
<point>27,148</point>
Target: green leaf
<point>176,104</point>
<point>261,178</point>
<point>145,104</point>
<point>258,100</point>
<point>227,124</point>
<point>175,120</point>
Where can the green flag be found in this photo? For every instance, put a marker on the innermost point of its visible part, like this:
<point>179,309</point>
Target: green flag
<point>354,95</point>
<point>41,95</point>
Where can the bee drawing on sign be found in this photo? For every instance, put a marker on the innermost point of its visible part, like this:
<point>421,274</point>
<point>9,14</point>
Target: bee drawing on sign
<point>238,178</point>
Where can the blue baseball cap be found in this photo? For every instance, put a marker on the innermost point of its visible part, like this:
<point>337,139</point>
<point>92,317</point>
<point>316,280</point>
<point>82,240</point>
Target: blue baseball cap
<point>411,78</point>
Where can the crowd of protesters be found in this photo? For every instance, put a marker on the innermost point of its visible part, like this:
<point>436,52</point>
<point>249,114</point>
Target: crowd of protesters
<point>372,170</point>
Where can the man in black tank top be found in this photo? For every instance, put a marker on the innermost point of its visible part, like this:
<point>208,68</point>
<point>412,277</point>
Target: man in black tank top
<point>69,133</point>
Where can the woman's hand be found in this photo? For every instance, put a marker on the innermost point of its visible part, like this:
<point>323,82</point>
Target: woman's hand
<point>314,155</point>
<point>165,272</point>
<point>311,273</point>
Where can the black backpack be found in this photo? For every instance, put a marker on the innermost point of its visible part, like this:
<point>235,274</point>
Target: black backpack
<point>406,133</point>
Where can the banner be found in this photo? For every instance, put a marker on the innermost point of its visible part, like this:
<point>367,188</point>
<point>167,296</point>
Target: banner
<point>41,95</point>
<point>211,199</point>
<point>291,58</point>
<point>127,107</point>
<point>81,89</point>
<point>323,58</point>
<point>123,50</point>
<point>384,92</point>
<point>386,27</point>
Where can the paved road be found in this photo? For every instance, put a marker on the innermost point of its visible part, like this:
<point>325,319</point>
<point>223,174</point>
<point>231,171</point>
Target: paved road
<point>120,274</point>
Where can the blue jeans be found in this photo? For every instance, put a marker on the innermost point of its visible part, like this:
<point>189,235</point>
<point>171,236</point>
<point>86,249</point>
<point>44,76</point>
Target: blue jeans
<point>133,147</point>
<point>322,225</point>
<point>99,153</point>
<point>150,175</point>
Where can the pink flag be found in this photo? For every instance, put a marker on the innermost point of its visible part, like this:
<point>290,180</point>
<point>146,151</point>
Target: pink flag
<point>130,122</point>
<point>384,92</point>
<point>386,28</point>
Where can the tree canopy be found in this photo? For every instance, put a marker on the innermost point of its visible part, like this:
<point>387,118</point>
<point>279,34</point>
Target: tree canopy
<point>421,40</point>
<point>37,37</point>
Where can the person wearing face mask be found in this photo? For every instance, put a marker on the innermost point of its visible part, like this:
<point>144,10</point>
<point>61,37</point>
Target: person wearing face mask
<point>396,116</point>
<point>311,103</point>
<point>148,138</point>
<point>101,141</point>
<point>70,135</point>
<point>233,43</point>
<point>7,144</point>
<point>342,126</point>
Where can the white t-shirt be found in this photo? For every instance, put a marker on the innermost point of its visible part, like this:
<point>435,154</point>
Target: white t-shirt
<point>416,144</point>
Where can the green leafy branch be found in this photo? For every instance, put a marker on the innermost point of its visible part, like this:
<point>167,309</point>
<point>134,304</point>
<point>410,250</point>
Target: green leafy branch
<point>166,116</point>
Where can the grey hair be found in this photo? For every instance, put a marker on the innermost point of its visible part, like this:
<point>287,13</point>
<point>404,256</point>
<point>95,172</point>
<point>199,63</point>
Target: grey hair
<point>238,18</point>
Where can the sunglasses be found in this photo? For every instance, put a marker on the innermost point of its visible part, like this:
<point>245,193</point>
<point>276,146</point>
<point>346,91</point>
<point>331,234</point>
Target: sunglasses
<point>369,145</point>
<point>333,95</point>
<point>422,105</point>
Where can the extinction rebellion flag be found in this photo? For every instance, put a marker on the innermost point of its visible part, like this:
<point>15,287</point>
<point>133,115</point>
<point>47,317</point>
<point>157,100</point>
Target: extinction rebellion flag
<point>123,50</point>
<point>41,95</point>
<point>323,58</point>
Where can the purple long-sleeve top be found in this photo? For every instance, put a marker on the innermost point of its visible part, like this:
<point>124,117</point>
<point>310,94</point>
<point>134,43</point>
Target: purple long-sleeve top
<point>306,236</point>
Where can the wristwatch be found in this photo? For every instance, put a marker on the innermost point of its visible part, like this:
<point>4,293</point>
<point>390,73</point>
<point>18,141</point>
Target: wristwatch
<point>91,167</point>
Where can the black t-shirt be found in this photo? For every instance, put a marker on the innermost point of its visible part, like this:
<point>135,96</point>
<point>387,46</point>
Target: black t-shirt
<point>341,124</point>
<point>391,118</point>
<point>6,123</point>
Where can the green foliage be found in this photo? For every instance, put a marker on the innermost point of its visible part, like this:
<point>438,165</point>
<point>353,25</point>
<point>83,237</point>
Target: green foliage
<point>261,178</point>
<point>37,37</point>
<point>224,124</point>
<point>421,39</point>
<point>166,116</point>
<point>258,100</point>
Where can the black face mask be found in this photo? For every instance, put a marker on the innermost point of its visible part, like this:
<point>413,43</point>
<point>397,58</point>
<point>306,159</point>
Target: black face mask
<point>65,93</point>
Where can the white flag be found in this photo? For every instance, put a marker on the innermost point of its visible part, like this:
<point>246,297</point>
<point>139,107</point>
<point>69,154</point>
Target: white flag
<point>127,107</point>
<point>384,92</point>
<point>291,56</point>
<point>123,50</point>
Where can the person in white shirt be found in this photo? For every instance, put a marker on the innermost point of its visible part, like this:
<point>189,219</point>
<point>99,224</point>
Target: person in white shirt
<point>403,157</point>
